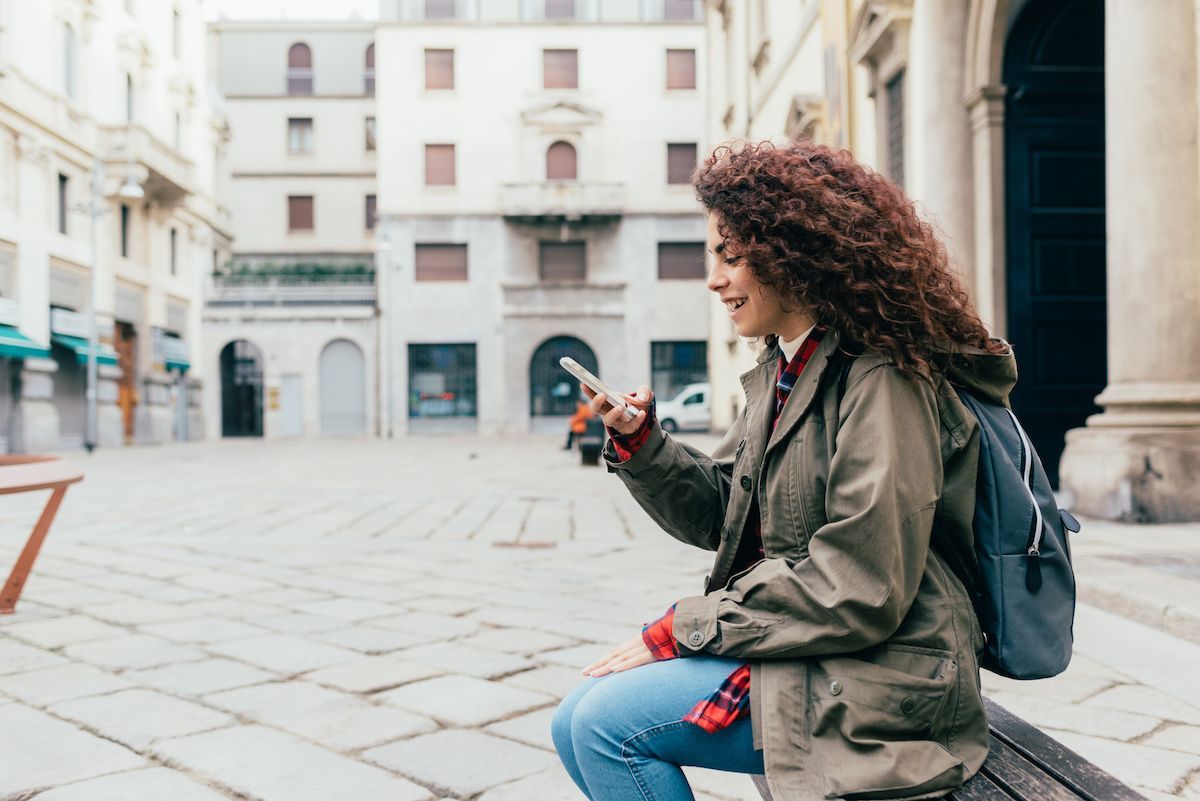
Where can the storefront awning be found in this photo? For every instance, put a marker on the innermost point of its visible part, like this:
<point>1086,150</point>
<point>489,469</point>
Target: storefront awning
<point>105,354</point>
<point>177,363</point>
<point>16,345</point>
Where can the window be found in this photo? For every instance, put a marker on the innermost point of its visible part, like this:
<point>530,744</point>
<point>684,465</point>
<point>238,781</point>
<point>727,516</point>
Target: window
<point>681,163</point>
<point>369,129</point>
<point>125,230</point>
<point>178,131</point>
<point>300,212</point>
<point>128,97</point>
<point>681,260</point>
<point>441,380</point>
<point>300,134</point>
<point>440,263</point>
<point>561,162</point>
<point>69,61</point>
<point>174,252</point>
<point>681,9</point>
<point>895,129</point>
<point>560,69</point>
<point>560,9</point>
<point>674,365</point>
<point>370,212</point>
<point>440,9</point>
<point>369,72</point>
<point>562,261</point>
<point>62,203</point>
<point>439,165</point>
<point>176,36</point>
<point>681,69</point>
<point>439,69</point>
<point>299,70</point>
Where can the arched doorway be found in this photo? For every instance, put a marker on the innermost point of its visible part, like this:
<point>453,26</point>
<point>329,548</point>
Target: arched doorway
<point>241,390</point>
<point>1054,206</point>
<point>552,390</point>
<point>343,389</point>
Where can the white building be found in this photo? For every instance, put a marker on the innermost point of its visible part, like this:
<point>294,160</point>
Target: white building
<point>535,202</point>
<point>290,321</point>
<point>96,97</point>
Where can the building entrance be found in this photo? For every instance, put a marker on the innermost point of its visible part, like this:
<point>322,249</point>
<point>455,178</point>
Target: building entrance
<point>553,392</point>
<point>241,390</point>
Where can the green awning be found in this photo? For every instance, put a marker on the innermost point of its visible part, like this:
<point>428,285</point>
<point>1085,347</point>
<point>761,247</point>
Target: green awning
<point>16,345</point>
<point>179,364</point>
<point>105,354</point>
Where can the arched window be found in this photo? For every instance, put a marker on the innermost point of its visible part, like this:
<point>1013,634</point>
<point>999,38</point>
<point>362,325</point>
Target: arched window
<point>561,162</point>
<point>369,72</point>
<point>299,70</point>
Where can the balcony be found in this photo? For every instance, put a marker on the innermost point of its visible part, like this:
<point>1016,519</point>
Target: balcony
<point>570,299</point>
<point>241,291</point>
<point>559,10</point>
<point>672,10</point>
<point>562,201</point>
<point>435,10</point>
<point>165,174</point>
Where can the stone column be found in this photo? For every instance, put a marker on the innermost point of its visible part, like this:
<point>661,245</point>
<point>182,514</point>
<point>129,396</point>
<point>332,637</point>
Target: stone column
<point>195,412</point>
<point>1139,459</point>
<point>153,421</point>
<point>110,420</point>
<point>35,420</point>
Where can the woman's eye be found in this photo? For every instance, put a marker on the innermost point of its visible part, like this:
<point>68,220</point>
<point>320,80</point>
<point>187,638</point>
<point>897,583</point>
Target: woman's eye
<point>732,259</point>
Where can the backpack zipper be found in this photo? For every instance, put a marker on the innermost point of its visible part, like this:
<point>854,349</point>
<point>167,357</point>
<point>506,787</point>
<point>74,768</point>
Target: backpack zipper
<point>1033,578</point>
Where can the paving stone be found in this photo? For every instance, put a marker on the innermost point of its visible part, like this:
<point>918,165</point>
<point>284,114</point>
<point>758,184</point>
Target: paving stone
<point>1069,687</point>
<point>130,613</point>
<point>442,605</point>
<point>248,759</point>
<point>60,631</point>
<point>1176,738</point>
<point>283,595</point>
<point>1083,719</point>
<point>49,752</point>
<point>431,626</point>
<point>436,760</point>
<point>1146,701</point>
<point>372,673</point>
<point>517,641</point>
<point>132,651</point>
<point>234,609</point>
<point>353,609</point>
<point>300,623</point>
<point>201,677</point>
<point>135,785</point>
<point>16,657</point>
<point>223,583</point>
<point>547,785</point>
<point>138,717</point>
<point>203,630</point>
<point>721,785</point>
<point>454,658</point>
<point>333,719</point>
<point>284,653</point>
<point>532,729</point>
<point>554,679</point>
<point>368,639</point>
<point>1156,768</point>
<point>60,683</point>
<point>463,700</point>
<point>80,597</point>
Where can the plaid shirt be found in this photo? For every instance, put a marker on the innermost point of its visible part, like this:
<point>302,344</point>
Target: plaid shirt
<point>731,701</point>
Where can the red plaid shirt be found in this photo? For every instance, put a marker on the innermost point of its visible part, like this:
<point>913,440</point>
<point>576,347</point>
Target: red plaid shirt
<point>731,701</point>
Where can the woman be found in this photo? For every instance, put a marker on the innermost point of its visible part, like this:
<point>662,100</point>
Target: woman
<point>833,648</point>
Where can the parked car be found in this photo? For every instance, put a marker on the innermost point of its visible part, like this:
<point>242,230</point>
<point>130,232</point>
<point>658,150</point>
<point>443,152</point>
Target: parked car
<point>690,409</point>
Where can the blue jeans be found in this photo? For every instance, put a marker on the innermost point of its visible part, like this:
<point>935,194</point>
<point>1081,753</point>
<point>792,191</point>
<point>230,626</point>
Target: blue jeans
<point>621,737</point>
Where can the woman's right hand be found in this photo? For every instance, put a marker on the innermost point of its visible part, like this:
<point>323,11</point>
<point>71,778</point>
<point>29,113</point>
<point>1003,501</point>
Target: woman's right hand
<point>613,416</point>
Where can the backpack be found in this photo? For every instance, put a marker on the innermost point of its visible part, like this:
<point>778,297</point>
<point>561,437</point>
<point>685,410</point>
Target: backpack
<point>1023,588</point>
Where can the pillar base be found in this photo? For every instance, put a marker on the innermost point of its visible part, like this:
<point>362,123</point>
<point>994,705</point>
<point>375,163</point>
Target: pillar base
<point>1135,474</point>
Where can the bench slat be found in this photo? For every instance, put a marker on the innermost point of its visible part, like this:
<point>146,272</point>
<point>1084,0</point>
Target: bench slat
<point>1021,778</point>
<point>979,788</point>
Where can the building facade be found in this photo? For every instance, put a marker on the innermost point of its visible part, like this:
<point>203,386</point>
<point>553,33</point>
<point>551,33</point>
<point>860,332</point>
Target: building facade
<point>535,202</point>
<point>1042,139</point>
<point>107,203</point>
<point>291,321</point>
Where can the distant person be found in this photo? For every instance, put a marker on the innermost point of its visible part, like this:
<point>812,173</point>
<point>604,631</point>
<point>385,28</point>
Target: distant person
<point>578,423</point>
<point>833,649</point>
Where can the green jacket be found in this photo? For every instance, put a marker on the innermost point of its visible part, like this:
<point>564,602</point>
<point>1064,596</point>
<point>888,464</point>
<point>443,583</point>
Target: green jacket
<point>862,643</point>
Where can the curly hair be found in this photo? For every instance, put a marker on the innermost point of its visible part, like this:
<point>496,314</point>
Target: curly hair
<point>839,239</point>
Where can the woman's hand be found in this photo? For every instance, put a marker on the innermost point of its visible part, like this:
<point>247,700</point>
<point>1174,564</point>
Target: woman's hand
<point>629,654</point>
<point>614,417</point>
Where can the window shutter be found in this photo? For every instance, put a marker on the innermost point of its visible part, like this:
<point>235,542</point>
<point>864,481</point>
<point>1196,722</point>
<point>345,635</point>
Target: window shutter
<point>681,69</point>
<point>439,165</point>
<point>681,163</point>
<point>895,130</point>
<point>370,212</point>
<point>300,213</point>
<point>439,69</point>
<point>441,263</point>
<point>561,162</point>
<point>560,69</point>
<point>681,260</point>
<point>562,261</point>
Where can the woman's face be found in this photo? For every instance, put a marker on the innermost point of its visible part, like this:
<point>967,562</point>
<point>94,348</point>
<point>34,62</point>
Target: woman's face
<point>755,308</point>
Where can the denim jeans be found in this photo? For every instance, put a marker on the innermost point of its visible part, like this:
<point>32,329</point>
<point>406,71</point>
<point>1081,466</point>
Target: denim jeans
<point>621,737</point>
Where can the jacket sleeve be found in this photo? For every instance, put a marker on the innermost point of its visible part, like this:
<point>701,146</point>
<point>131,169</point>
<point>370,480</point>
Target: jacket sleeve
<point>684,490</point>
<point>865,564</point>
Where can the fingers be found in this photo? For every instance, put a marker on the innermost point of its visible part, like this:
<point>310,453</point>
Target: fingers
<point>621,654</point>
<point>644,395</point>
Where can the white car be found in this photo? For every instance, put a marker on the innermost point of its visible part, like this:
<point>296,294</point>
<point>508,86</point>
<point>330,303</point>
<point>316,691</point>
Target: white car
<point>690,409</point>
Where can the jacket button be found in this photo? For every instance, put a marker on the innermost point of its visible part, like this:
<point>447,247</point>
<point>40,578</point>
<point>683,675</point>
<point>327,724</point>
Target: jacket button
<point>835,687</point>
<point>907,706</point>
<point>695,639</point>
<point>746,483</point>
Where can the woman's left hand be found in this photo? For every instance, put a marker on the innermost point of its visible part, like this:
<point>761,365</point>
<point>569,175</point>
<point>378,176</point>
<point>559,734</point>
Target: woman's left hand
<point>629,654</point>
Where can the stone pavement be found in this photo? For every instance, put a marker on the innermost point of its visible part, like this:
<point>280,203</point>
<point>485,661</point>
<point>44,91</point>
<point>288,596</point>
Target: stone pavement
<point>364,620</point>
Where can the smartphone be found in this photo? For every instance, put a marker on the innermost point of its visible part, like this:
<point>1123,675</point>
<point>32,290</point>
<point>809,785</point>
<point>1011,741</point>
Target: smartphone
<point>616,399</point>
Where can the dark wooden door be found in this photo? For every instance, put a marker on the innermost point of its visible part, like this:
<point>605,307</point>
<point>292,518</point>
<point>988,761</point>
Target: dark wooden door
<point>125,344</point>
<point>1054,163</point>
<point>241,390</point>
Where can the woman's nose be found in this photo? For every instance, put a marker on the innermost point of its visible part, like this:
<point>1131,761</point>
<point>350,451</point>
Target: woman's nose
<point>717,280</point>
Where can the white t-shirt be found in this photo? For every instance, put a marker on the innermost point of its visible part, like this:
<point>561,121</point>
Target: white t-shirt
<point>790,346</point>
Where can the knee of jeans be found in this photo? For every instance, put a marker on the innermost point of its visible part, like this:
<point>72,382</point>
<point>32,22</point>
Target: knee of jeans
<point>560,725</point>
<point>593,722</point>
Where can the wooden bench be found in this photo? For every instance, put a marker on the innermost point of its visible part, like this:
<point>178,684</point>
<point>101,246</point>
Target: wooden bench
<point>1027,765</point>
<point>28,473</point>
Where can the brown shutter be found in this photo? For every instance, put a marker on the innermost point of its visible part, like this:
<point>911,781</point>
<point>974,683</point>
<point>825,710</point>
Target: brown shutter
<point>370,212</point>
<point>680,9</point>
<point>560,69</point>
<point>439,69</point>
<point>369,71</point>
<point>439,165</point>
<point>441,263</point>
<point>681,162</point>
<point>681,69</point>
<point>561,163</point>
<point>562,261</point>
<point>560,9</point>
<point>440,9</point>
<point>681,260</point>
<point>300,213</point>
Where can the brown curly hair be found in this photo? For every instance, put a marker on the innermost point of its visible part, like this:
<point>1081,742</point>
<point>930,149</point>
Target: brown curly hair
<point>839,239</point>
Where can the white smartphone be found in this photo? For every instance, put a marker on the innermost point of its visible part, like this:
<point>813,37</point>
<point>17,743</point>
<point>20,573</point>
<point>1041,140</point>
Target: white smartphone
<point>596,385</point>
